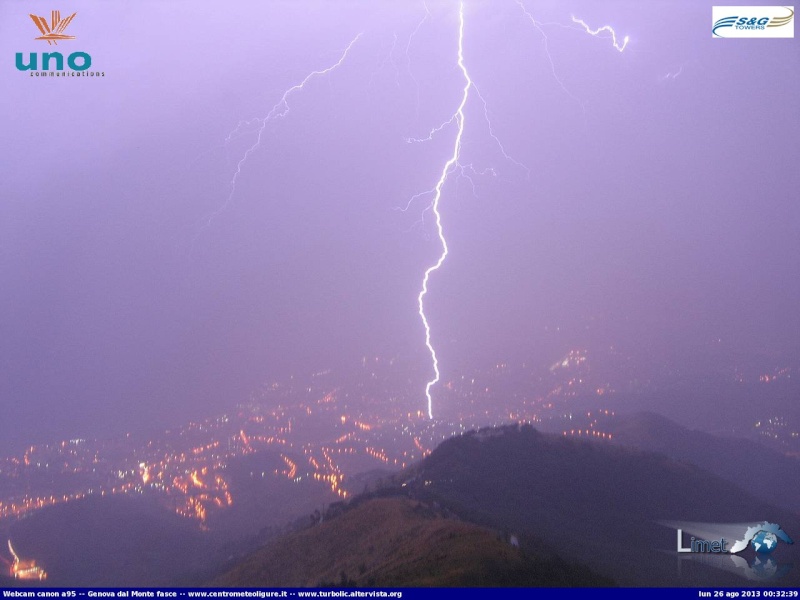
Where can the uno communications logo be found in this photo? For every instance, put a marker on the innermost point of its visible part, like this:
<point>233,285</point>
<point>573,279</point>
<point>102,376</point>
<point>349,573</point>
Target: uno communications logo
<point>752,22</point>
<point>55,64</point>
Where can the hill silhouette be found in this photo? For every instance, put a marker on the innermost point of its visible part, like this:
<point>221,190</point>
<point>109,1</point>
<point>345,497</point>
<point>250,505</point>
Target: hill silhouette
<point>399,542</point>
<point>594,502</point>
<point>762,471</point>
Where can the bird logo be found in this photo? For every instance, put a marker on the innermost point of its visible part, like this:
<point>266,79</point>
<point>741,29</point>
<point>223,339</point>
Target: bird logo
<point>53,32</point>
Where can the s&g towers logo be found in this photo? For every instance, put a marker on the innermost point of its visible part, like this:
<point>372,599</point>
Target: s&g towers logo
<point>752,22</point>
<point>52,64</point>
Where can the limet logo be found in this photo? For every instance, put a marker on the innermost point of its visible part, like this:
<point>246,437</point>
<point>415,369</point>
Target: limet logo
<point>752,21</point>
<point>763,537</point>
<point>720,545</point>
<point>53,63</point>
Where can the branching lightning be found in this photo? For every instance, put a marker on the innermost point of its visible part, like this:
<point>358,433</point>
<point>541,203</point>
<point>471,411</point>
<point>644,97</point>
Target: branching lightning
<point>585,27</point>
<point>492,134</point>
<point>545,41</point>
<point>449,166</point>
<point>599,30</point>
<point>389,58</point>
<point>408,56</point>
<point>452,165</point>
<point>278,111</point>
<point>465,171</point>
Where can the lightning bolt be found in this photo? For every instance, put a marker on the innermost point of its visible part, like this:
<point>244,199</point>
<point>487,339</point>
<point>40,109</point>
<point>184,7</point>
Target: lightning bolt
<point>539,26</point>
<point>492,134</point>
<point>598,31</point>
<point>545,46</point>
<point>449,166</point>
<point>389,58</point>
<point>14,554</point>
<point>282,108</point>
<point>408,56</point>
<point>278,111</point>
<point>673,76</point>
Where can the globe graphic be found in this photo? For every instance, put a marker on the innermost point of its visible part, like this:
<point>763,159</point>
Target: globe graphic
<point>764,542</point>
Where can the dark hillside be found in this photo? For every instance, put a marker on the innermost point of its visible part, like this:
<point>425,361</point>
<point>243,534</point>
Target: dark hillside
<point>594,502</point>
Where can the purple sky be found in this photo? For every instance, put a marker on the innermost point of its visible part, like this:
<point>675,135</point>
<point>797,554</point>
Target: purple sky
<point>661,213</point>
